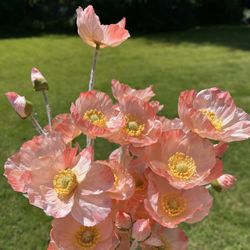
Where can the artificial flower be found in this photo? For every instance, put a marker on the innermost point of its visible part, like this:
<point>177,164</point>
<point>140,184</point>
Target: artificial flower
<point>169,206</point>
<point>19,103</point>
<point>96,34</point>
<point>140,127</point>
<point>68,234</point>
<point>212,114</point>
<point>94,114</point>
<point>184,159</point>
<point>64,124</point>
<point>59,181</point>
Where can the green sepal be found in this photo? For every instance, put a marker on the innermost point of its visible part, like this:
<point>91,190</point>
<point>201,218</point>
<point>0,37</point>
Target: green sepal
<point>41,85</point>
<point>216,186</point>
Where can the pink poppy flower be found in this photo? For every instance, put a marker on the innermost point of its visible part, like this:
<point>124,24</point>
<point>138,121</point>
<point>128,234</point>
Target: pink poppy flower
<point>64,124</point>
<point>141,128</point>
<point>59,182</point>
<point>166,238</point>
<point>220,149</point>
<point>168,124</point>
<point>95,34</point>
<point>121,90</point>
<point>94,114</point>
<point>68,234</point>
<point>184,159</point>
<point>169,206</point>
<point>213,114</point>
<point>124,185</point>
<point>19,103</point>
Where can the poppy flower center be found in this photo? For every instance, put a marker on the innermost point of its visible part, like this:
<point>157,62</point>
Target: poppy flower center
<point>116,180</point>
<point>96,117</point>
<point>133,127</point>
<point>211,116</point>
<point>64,183</point>
<point>181,166</point>
<point>173,204</point>
<point>87,237</point>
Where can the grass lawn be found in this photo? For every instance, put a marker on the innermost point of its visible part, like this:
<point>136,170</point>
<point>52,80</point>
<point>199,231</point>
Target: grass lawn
<point>198,59</point>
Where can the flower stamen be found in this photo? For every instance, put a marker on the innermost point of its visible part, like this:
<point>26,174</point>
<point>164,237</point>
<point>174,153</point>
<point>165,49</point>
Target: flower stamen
<point>96,117</point>
<point>211,116</point>
<point>87,237</point>
<point>181,166</point>
<point>133,127</point>
<point>64,183</point>
<point>173,204</point>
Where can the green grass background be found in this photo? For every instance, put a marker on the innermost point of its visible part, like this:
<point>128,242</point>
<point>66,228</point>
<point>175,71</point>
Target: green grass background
<point>199,58</point>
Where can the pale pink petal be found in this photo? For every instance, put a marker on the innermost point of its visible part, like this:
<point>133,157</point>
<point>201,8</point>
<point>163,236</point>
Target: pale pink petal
<point>53,205</point>
<point>19,103</point>
<point>90,210</point>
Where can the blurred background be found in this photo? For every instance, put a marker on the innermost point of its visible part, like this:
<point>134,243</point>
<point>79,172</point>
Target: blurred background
<point>26,16</point>
<point>174,45</point>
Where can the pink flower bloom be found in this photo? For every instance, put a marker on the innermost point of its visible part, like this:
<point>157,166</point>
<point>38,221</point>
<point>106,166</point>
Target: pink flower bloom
<point>19,103</point>
<point>169,206</point>
<point>64,124</point>
<point>120,90</point>
<point>141,230</point>
<point>94,114</point>
<point>141,128</point>
<point>123,220</point>
<point>94,33</point>
<point>220,149</point>
<point>38,80</point>
<point>68,234</point>
<point>124,185</point>
<point>184,159</point>
<point>226,181</point>
<point>165,238</point>
<point>213,114</point>
<point>59,182</point>
<point>175,123</point>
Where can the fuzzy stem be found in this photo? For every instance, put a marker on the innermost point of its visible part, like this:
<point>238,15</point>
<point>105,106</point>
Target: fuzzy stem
<point>89,141</point>
<point>37,125</point>
<point>48,109</point>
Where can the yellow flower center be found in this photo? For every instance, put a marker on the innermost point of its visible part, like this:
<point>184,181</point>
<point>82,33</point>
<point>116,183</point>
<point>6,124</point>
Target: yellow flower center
<point>181,166</point>
<point>87,237</point>
<point>211,116</point>
<point>173,204</point>
<point>133,127</point>
<point>116,180</point>
<point>95,117</point>
<point>64,183</point>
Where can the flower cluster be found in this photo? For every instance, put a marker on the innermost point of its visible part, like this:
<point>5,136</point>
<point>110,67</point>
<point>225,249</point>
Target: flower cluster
<point>157,178</point>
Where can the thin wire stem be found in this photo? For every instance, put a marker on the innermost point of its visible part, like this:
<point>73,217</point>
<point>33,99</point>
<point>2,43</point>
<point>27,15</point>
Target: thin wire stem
<point>48,109</point>
<point>89,141</point>
<point>37,126</point>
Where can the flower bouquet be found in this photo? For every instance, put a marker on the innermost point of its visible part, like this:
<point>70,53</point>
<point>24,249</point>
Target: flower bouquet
<point>158,177</point>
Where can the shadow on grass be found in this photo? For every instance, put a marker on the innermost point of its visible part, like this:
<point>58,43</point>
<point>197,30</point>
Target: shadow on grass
<point>236,37</point>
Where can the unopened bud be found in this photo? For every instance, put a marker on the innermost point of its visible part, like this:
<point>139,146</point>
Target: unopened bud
<point>19,103</point>
<point>38,80</point>
<point>141,230</point>
<point>226,181</point>
<point>123,220</point>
